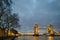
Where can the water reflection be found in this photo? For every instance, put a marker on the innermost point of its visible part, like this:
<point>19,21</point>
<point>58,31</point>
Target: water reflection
<point>50,38</point>
<point>36,38</point>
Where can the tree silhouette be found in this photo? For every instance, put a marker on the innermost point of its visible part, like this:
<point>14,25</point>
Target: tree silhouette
<point>7,18</point>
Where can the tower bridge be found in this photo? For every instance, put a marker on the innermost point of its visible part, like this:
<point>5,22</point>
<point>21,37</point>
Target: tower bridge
<point>49,28</point>
<point>37,28</point>
<point>37,32</point>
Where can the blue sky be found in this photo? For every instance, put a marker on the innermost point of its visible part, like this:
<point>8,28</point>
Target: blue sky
<point>42,12</point>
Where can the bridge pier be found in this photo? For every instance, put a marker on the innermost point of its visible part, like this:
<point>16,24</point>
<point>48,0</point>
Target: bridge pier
<point>36,30</point>
<point>50,30</point>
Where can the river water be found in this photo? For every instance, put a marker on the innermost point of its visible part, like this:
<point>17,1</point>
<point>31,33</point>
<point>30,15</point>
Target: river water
<point>38,38</point>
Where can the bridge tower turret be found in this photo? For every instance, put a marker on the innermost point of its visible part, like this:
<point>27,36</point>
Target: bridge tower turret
<point>50,29</point>
<point>36,29</point>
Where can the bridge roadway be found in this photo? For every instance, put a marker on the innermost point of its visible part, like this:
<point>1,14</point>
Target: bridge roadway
<point>31,34</point>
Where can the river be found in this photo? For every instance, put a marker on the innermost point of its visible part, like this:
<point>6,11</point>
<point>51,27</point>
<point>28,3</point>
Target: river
<point>38,38</point>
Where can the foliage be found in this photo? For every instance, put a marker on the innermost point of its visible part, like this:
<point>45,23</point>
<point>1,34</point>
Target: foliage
<point>7,19</point>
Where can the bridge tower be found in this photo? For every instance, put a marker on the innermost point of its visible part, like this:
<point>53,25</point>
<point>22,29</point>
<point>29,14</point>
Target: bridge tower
<point>50,29</point>
<point>36,29</point>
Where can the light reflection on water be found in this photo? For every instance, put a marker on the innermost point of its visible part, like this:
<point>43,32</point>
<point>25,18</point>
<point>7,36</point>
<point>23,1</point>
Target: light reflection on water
<point>37,38</point>
<point>50,38</point>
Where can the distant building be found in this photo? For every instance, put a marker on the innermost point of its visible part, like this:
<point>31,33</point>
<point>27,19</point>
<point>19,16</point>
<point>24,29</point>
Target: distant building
<point>1,32</point>
<point>10,32</point>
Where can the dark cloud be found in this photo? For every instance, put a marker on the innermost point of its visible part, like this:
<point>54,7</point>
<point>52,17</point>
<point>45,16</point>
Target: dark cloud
<point>42,12</point>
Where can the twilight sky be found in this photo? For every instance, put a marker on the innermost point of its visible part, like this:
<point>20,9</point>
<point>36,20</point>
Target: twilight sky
<point>42,12</point>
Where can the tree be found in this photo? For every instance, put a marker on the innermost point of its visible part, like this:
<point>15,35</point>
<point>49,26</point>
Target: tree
<point>7,18</point>
<point>12,21</point>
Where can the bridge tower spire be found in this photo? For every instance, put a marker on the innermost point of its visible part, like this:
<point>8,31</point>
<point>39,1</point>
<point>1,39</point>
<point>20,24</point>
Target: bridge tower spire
<point>50,29</point>
<point>36,29</point>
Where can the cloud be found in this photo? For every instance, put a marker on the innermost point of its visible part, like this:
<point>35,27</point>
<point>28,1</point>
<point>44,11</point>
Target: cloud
<point>43,12</point>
